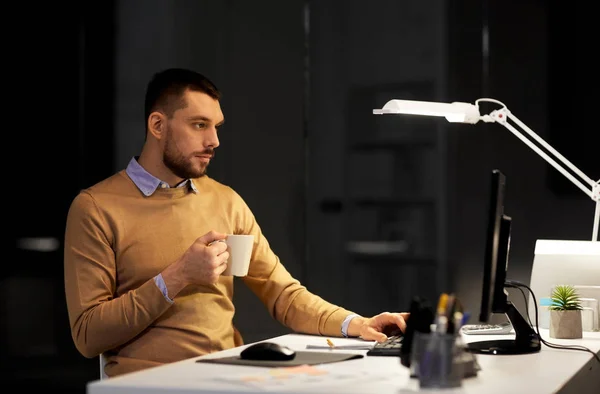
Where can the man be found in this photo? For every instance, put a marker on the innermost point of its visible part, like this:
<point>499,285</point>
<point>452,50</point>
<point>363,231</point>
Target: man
<point>142,269</point>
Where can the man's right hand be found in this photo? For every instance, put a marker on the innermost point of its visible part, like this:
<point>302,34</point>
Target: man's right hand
<point>202,264</point>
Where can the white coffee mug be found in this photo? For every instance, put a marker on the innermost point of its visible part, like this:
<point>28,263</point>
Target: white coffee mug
<point>240,248</point>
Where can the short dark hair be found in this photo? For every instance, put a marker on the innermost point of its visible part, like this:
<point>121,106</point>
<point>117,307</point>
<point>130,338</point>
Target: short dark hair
<point>166,89</point>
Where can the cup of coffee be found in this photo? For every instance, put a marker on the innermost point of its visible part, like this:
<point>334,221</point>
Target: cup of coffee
<point>240,248</point>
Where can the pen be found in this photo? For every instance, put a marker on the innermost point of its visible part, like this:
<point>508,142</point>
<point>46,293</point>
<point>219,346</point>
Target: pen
<point>442,319</point>
<point>458,318</point>
<point>331,345</point>
<point>454,314</point>
<point>465,318</point>
<point>441,322</point>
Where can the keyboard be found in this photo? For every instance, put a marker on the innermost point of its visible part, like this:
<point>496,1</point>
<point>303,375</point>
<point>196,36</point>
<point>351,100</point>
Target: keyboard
<point>487,329</point>
<point>389,347</point>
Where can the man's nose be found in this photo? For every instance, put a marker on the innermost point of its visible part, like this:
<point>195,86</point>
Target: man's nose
<point>213,139</point>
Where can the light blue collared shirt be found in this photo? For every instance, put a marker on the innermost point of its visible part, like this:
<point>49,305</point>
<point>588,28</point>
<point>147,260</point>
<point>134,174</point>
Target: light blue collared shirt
<point>148,183</point>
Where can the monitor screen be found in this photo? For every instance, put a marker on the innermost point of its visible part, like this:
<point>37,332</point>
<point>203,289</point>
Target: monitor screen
<point>493,268</point>
<point>498,292</point>
<point>494,298</point>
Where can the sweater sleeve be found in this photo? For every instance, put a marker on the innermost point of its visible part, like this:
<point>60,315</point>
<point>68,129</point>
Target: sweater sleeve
<point>287,300</point>
<point>98,320</point>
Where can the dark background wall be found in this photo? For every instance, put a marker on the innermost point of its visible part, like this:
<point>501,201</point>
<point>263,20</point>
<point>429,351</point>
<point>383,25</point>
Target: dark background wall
<point>535,64</point>
<point>296,76</point>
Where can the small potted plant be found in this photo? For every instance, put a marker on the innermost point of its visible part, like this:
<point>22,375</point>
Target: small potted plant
<point>565,313</point>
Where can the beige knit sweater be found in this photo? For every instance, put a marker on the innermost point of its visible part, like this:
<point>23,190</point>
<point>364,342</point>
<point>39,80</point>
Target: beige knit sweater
<point>117,240</point>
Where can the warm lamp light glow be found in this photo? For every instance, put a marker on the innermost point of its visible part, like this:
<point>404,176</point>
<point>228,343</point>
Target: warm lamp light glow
<point>453,112</point>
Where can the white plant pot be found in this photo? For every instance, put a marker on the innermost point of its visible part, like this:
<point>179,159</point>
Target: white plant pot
<point>565,324</point>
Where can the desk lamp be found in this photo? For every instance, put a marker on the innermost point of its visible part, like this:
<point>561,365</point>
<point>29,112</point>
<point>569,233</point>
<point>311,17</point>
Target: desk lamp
<point>458,112</point>
<point>555,261</point>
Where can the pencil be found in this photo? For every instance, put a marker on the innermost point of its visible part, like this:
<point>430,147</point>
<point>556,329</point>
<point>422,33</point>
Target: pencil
<point>441,319</point>
<point>331,345</point>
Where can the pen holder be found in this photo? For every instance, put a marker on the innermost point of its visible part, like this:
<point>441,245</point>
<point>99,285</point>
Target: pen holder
<point>436,360</point>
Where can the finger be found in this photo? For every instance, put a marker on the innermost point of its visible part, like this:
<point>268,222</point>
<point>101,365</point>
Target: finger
<point>224,256</point>
<point>400,321</point>
<point>386,319</point>
<point>218,246</point>
<point>397,319</point>
<point>371,334</point>
<point>212,236</point>
<point>218,261</point>
<point>221,268</point>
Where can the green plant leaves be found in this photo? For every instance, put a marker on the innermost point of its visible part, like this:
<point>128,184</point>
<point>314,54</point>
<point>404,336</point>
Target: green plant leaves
<point>565,298</point>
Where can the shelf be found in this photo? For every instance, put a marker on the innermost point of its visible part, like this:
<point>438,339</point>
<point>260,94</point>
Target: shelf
<point>399,144</point>
<point>385,251</point>
<point>378,248</point>
<point>395,258</point>
<point>392,201</point>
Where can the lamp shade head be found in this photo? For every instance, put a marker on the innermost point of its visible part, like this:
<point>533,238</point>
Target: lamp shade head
<point>455,112</point>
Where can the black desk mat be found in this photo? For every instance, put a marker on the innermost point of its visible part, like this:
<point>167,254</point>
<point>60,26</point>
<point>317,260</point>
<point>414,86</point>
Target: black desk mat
<point>302,358</point>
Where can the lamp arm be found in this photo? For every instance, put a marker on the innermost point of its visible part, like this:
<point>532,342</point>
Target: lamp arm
<point>596,218</point>
<point>502,115</point>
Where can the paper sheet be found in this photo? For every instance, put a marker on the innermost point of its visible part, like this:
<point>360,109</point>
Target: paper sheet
<point>303,376</point>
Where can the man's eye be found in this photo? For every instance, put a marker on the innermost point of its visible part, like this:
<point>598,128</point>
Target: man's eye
<point>200,125</point>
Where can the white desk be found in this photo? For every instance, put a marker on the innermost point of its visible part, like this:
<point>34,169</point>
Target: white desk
<point>549,371</point>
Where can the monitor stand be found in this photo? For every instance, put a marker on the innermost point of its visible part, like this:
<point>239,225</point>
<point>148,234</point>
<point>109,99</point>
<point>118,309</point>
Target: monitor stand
<point>526,340</point>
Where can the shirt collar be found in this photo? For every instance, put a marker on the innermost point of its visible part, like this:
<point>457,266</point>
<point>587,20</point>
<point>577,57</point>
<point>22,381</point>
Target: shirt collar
<point>148,183</point>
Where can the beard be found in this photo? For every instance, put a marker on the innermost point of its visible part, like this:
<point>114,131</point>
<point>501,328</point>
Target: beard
<point>180,165</point>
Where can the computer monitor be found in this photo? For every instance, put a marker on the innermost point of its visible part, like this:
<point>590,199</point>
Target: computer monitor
<point>494,298</point>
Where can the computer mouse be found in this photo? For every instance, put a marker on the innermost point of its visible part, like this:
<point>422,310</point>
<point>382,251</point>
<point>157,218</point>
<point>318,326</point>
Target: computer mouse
<point>267,351</point>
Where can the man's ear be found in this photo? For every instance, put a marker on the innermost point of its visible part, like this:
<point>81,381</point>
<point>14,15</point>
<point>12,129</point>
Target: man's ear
<point>157,123</point>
